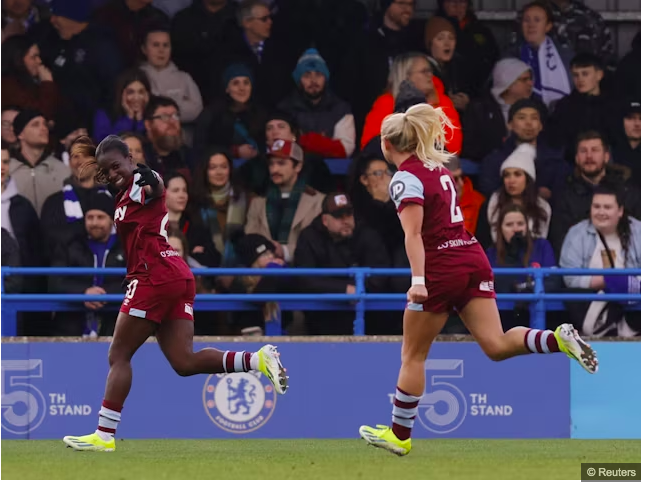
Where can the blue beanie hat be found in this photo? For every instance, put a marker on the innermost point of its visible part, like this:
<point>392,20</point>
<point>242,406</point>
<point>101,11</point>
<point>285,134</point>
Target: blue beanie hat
<point>311,61</point>
<point>77,10</point>
<point>236,70</point>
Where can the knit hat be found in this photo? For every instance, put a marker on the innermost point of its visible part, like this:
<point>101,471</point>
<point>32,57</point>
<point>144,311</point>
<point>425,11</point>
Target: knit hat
<point>631,107</point>
<point>337,205</point>
<point>436,25</point>
<point>505,72</point>
<point>23,118</point>
<point>102,201</point>
<point>310,61</point>
<point>77,10</point>
<point>523,104</point>
<point>408,96</point>
<point>250,247</point>
<point>286,117</point>
<point>286,150</point>
<point>522,158</point>
<point>236,70</point>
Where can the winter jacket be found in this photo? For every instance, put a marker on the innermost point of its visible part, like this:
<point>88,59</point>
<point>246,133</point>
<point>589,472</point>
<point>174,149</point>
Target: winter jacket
<point>104,125</point>
<point>470,204</point>
<point>317,249</point>
<point>199,237</point>
<point>32,94</point>
<point>384,106</point>
<point>579,246</point>
<point>550,167</point>
<point>455,75</point>
<point>10,258</point>
<point>22,224</point>
<point>327,127</point>
<point>572,203</point>
<point>37,182</point>
<point>178,86</point>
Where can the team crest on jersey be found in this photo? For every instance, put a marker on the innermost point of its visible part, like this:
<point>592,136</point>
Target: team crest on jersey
<point>239,402</point>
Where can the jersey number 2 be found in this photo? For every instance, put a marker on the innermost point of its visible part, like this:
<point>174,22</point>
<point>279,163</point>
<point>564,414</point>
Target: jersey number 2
<point>455,212</point>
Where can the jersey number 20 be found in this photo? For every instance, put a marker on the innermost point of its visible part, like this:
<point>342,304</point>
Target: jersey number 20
<point>455,211</point>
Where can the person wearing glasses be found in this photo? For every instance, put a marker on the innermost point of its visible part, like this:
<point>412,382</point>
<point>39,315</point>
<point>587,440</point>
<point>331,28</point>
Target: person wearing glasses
<point>165,150</point>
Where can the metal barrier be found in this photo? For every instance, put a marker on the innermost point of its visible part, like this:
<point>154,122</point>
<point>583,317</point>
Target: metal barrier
<point>540,302</point>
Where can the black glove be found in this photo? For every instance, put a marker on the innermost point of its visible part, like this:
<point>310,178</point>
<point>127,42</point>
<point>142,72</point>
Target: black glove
<point>148,177</point>
<point>517,244</point>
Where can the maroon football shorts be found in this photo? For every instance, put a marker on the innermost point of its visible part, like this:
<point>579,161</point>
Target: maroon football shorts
<point>158,303</point>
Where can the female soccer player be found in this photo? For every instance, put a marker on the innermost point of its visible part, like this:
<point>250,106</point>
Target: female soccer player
<point>159,297</point>
<point>449,269</point>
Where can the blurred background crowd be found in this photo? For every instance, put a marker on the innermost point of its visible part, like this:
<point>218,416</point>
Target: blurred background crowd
<point>263,118</point>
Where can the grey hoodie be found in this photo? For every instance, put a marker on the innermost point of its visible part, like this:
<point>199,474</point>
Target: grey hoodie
<point>179,86</point>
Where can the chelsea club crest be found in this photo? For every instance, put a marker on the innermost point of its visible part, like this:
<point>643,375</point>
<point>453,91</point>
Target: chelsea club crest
<point>239,402</point>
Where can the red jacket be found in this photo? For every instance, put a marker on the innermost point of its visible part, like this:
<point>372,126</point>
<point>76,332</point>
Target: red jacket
<point>384,106</point>
<point>470,203</point>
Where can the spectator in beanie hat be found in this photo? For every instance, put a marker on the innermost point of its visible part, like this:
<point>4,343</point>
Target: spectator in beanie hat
<point>326,121</point>
<point>289,205</point>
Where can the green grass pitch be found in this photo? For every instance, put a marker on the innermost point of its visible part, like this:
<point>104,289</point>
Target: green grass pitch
<point>314,459</point>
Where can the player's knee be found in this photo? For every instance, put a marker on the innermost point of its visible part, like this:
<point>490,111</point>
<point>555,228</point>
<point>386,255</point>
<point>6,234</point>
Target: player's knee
<point>495,351</point>
<point>182,368</point>
<point>116,356</point>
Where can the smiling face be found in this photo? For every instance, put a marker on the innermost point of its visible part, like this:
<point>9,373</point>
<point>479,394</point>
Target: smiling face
<point>400,12</point>
<point>219,171</point>
<point>239,88</point>
<point>116,168</point>
<point>443,45</point>
<point>136,96</point>
<point>605,213</point>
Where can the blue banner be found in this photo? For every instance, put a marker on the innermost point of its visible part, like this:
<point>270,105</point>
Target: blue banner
<point>50,390</point>
<point>607,405</point>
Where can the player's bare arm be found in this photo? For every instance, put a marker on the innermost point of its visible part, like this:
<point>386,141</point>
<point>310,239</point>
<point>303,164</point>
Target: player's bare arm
<point>412,222</point>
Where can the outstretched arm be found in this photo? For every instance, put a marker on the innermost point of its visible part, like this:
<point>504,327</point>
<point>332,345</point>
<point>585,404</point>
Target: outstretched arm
<point>150,181</point>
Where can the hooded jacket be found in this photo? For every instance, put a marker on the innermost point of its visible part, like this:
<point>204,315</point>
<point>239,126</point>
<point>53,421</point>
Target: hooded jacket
<point>37,183</point>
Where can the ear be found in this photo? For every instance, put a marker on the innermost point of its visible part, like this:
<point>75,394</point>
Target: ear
<point>298,167</point>
<point>147,124</point>
<point>363,180</point>
<point>549,26</point>
<point>600,74</point>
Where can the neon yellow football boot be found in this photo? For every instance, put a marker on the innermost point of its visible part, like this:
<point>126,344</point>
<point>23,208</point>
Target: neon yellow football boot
<point>572,345</point>
<point>91,442</point>
<point>383,437</point>
<point>269,364</point>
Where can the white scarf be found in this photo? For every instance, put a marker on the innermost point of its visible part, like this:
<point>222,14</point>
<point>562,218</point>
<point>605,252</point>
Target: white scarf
<point>554,81</point>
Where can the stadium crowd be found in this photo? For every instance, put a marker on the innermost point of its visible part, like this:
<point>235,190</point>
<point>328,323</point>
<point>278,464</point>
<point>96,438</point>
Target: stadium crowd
<point>238,105</point>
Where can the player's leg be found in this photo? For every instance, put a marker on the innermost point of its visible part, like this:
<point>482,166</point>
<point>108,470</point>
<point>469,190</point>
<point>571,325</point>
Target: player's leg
<point>129,334</point>
<point>481,317</point>
<point>419,331</point>
<point>175,339</point>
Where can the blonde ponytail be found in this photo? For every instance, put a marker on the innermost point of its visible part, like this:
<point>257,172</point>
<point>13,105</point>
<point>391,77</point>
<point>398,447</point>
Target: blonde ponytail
<point>420,130</point>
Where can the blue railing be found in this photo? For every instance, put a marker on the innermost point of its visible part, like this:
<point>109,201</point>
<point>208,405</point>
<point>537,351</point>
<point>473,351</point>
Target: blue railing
<point>540,302</point>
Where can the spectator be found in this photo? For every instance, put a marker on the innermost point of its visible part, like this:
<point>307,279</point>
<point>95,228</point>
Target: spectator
<point>518,174</point>
<point>135,142</point>
<point>97,247</point>
<point>627,79</point>
<point>221,201</point>
<point>255,172</point>
<point>516,247</point>
<point>470,201</point>
<point>20,16</point>
<point>326,121</point>
<point>199,35</point>
<point>335,240</point>
<point>68,128</point>
<point>130,101</point>
<point>626,143</point>
<point>608,239</point>
<point>584,109</point>
<point>171,7</point>
<point>289,205</point>
<point>10,258</point>
<point>234,120</point>
<point>581,28</point>
<point>63,212</point>
<point>592,169</point>
<point>36,172</point>
<point>366,66</point>
<point>84,61</point>
<point>451,68</point>
<point>165,78</point>
<point>269,59</point>
<point>475,41</point>
<point>548,59</point>
<point>414,67</point>
<point>128,21</point>
<point>20,221</point>
<point>25,80</point>
<point>180,218</point>
<point>165,150</point>
<point>9,138</point>
<point>485,121</point>
<point>256,251</point>
<point>525,121</point>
